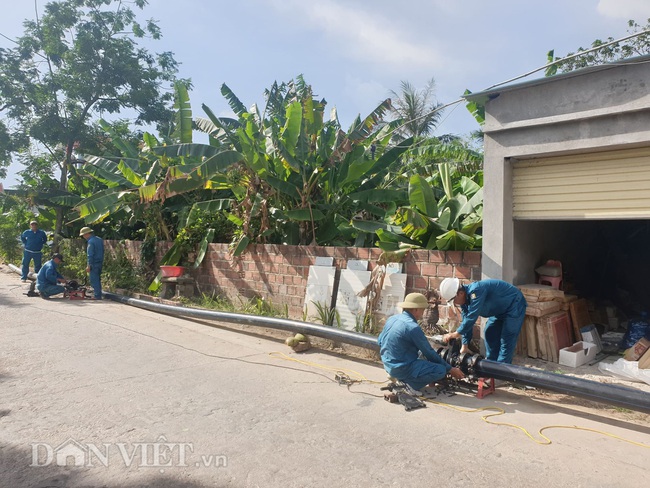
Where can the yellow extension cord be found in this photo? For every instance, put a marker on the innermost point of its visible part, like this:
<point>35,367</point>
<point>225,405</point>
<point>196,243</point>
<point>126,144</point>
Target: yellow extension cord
<point>359,378</point>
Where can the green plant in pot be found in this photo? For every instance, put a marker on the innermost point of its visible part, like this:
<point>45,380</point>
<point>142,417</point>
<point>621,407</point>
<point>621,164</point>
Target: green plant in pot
<point>191,242</point>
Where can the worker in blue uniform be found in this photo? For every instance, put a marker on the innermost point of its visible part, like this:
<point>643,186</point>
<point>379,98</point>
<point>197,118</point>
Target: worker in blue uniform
<point>95,254</point>
<point>33,239</point>
<point>402,341</point>
<point>48,278</point>
<point>501,303</point>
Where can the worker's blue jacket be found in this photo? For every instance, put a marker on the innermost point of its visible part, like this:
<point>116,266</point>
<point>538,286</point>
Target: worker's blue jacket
<point>48,275</point>
<point>95,250</point>
<point>489,298</point>
<point>400,342</point>
<point>33,241</point>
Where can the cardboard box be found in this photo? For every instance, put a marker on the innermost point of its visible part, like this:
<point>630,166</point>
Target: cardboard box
<point>637,350</point>
<point>542,308</point>
<point>578,354</point>
<point>644,362</point>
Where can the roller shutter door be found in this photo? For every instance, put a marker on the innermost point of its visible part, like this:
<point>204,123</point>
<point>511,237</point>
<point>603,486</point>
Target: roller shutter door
<point>605,185</point>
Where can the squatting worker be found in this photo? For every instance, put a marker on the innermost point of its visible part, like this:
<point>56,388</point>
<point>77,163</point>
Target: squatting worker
<point>501,303</point>
<point>48,278</point>
<point>95,253</point>
<point>401,341</point>
<point>33,239</point>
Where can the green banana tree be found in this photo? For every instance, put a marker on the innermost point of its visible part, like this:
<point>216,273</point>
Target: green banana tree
<point>296,177</point>
<point>451,222</point>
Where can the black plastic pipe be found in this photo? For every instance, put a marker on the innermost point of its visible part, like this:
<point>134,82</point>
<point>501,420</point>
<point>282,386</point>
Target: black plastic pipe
<point>591,390</point>
<point>569,385</point>
<point>332,333</point>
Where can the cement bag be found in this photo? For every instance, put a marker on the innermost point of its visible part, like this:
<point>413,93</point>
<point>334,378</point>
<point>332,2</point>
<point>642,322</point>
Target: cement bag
<point>628,370</point>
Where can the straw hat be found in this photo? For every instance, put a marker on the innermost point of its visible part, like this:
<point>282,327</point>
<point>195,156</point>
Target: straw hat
<point>414,300</point>
<point>85,230</point>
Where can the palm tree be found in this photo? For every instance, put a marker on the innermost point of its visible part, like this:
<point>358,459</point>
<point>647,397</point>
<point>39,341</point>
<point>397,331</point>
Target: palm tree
<point>418,109</point>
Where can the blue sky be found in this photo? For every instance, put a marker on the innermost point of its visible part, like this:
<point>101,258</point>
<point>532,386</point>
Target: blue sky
<point>354,51</point>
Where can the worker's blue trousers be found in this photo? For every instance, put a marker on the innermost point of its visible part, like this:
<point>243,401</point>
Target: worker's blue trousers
<point>49,290</point>
<point>501,333</point>
<point>420,373</point>
<point>27,257</point>
<point>95,279</point>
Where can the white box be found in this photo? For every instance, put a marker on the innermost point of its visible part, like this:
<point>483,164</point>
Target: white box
<point>590,334</point>
<point>578,354</point>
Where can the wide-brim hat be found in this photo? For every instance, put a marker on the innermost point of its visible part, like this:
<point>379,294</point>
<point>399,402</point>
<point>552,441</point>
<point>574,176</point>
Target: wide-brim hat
<point>85,230</point>
<point>414,300</point>
<point>33,222</point>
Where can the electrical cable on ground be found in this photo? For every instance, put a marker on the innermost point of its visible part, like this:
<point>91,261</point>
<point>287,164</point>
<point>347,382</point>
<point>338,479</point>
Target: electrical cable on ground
<point>360,378</point>
<point>497,410</point>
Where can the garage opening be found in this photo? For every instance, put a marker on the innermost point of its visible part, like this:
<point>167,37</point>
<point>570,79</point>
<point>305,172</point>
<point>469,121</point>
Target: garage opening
<point>605,261</point>
<point>591,212</point>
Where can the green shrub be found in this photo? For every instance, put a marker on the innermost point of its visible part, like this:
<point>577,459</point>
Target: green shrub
<point>118,271</point>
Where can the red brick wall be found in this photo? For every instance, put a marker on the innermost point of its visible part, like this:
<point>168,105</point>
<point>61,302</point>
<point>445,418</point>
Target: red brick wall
<point>279,273</point>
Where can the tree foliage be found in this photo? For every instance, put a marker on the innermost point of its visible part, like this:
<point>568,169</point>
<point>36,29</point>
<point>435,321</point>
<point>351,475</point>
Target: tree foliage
<point>76,62</point>
<point>418,109</point>
<point>635,46</point>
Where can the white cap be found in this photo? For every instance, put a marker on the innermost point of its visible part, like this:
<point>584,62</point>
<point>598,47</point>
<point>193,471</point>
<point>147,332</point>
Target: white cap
<point>449,288</point>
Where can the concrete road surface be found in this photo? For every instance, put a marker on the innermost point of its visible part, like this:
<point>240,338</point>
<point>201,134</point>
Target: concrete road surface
<point>101,394</point>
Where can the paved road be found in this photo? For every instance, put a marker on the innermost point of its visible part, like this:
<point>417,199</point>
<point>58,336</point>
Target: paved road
<point>149,400</point>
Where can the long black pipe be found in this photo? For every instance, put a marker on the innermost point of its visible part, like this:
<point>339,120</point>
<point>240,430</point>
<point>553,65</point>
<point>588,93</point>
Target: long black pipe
<point>332,333</point>
<point>569,385</point>
<point>591,390</point>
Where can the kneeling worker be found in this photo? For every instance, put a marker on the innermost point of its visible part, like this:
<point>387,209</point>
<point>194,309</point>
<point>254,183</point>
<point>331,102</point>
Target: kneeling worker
<point>402,339</point>
<point>48,278</point>
<point>502,302</point>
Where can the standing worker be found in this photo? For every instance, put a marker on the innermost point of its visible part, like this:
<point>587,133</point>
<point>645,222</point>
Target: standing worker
<point>502,303</point>
<point>48,278</point>
<point>33,239</point>
<point>401,341</point>
<point>95,252</point>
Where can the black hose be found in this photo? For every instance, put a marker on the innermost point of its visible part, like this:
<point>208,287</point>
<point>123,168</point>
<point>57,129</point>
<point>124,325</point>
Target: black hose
<point>332,333</point>
<point>591,390</point>
<point>569,385</point>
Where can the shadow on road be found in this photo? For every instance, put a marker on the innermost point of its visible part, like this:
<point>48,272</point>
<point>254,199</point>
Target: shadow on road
<point>16,471</point>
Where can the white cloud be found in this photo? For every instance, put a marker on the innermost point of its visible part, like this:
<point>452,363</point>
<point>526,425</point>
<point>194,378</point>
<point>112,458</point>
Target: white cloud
<point>363,34</point>
<point>638,10</point>
<point>367,93</point>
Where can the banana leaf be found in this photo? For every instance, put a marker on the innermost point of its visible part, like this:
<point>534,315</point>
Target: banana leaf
<point>211,206</point>
<point>380,196</point>
<point>454,241</point>
<point>241,245</point>
<point>304,214</point>
<point>362,129</point>
<point>183,114</point>
<point>291,130</point>
<point>203,247</point>
<point>125,147</point>
<point>194,150</point>
<point>129,174</point>
<point>421,196</point>
<point>234,102</point>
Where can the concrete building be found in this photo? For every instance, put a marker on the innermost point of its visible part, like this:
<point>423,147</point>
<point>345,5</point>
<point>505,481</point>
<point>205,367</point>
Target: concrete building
<point>567,176</point>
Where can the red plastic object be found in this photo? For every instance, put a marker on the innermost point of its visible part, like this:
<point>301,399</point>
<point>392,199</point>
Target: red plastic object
<point>172,271</point>
<point>483,389</point>
<point>77,294</point>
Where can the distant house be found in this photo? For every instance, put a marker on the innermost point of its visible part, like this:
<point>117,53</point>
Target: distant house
<point>567,176</point>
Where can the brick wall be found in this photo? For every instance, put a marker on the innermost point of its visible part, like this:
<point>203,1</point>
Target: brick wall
<point>279,273</point>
